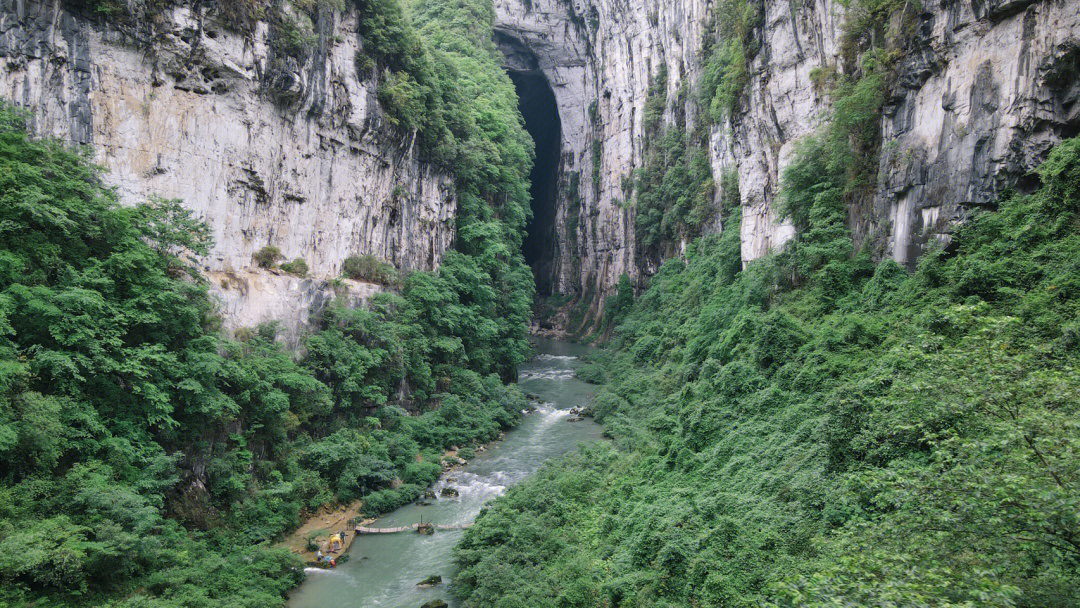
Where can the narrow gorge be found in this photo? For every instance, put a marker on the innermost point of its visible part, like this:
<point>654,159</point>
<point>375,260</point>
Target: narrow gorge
<point>265,261</point>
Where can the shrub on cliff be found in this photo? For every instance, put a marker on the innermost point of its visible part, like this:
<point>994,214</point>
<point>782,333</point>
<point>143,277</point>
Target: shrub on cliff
<point>297,267</point>
<point>267,257</point>
<point>370,269</point>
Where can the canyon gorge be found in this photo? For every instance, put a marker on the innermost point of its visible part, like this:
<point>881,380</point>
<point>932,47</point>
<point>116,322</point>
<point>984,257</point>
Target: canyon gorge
<point>628,303</point>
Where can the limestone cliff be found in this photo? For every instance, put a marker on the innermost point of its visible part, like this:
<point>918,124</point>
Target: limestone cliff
<point>601,57</point>
<point>984,89</point>
<point>293,154</point>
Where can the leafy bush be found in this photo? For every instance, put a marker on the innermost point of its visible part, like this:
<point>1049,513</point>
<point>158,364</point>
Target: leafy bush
<point>675,191</point>
<point>267,257</point>
<point>292,34</point>
<point>297,267</point>
<point>591,373</point>
<point>241,15</point>
<point>728,46</point>
<point>369,268</point>
<point>616,306</point>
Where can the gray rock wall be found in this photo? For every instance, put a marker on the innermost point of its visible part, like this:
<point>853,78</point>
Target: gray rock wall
<point>985,90</point>
<point>993,87</point>
<point>601,54</point>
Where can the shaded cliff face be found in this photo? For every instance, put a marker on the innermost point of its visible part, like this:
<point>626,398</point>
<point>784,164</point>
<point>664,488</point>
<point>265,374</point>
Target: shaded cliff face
<point>537,105</point>
<point>981,94</point>
<point>600,59</point>
<point>290,154</point>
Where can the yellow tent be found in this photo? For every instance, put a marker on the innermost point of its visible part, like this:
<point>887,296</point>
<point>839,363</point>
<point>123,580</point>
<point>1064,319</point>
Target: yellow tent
<point>336,543</point>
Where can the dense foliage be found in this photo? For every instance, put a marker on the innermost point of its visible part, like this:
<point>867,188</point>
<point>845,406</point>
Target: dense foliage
<point>728,43</point>
<point>147,461</point>
<point>675,191</point>
<point>443,80</point>
<point>816,430</point>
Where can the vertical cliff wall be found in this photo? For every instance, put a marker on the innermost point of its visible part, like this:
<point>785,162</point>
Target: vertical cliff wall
<point>268,151</point>
<point>982,91</point>
<point>295,152</point>
<point>600,59</point>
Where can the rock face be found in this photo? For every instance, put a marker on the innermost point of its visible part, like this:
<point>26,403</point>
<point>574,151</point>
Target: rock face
<point>600,57</point>
<point>296,156</point>
<point>993,87</point>
<point>250,297</point>
<point>984,91</point>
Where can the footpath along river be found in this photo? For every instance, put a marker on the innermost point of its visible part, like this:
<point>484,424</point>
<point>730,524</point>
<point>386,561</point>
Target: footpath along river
<point>383,569</point>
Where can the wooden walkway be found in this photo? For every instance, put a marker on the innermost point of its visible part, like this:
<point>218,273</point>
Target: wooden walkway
<point>363,530</point>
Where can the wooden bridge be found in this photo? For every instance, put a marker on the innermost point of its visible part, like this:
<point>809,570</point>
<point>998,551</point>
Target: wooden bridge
<point>364,530</point>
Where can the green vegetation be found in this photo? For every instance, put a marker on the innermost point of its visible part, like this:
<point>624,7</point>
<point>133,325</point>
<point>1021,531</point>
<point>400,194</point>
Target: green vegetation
<point>728,46</point>
<point>369,268</point>
<point>573,211</point>
<point>597,154</point>
<point>592,373</point>
<point>675,190</point>
<point>292,35</point>
<point>656,102</point>
<point>296,267</point>
<point>861,436</point>
<point>472,127</point>
<point>267,257</point>
<point>147,461</point>
<point>617,306</point>
<point>818,430</point>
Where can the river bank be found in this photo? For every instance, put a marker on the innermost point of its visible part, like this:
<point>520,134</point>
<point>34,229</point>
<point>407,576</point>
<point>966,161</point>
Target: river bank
<point>344,519</point>
<point>319,527</point>
<point>384,569</point>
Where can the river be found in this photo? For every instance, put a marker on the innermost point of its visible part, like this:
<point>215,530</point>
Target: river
<point>383,569</point>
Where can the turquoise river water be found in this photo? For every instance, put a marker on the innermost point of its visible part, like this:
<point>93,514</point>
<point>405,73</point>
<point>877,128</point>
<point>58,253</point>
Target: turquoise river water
<point>383,569</point>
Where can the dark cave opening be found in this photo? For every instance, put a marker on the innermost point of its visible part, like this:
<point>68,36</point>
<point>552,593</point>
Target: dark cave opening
<point>536,101</point>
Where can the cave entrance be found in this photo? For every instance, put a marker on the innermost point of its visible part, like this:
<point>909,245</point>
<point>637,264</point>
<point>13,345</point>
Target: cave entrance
<point>536,101</point>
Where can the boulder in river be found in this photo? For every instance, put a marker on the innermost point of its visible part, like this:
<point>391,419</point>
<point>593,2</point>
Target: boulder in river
<point>448,491</point>
<point>435,604</point>
<point>430,581</point>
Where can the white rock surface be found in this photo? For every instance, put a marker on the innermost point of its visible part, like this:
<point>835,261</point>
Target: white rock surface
<point>321,178</point>
<point>252,297</point>
<point>603,52</point>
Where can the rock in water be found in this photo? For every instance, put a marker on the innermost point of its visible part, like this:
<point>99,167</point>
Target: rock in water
<point>435,604</point>
<point>448,491</point>
<point>430,581</point>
